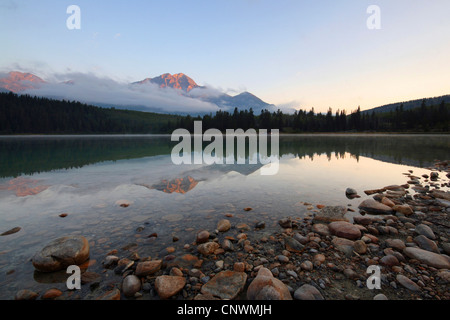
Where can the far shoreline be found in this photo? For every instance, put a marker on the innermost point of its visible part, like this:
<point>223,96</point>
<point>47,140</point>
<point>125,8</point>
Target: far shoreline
<point>56,135</point>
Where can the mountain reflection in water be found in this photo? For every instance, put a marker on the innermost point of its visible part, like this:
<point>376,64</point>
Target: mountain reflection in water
<point>35,154</point>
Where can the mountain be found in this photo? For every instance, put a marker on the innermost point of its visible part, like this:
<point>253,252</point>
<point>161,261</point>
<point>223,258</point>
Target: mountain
<point>180,81</point>
<point>18,81</point>
<point>176,81</point>
<point>242,101</point>
<point>408,105</point>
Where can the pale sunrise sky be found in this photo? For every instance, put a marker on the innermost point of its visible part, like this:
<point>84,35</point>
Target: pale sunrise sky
<point>289,52</point>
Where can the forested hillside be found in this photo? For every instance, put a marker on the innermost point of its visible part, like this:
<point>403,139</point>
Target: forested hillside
<point>23,114</point>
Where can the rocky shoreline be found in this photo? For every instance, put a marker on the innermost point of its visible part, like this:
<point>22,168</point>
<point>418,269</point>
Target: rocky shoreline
<point>403,230</point>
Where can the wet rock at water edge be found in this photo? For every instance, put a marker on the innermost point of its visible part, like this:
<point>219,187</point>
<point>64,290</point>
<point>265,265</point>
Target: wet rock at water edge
<point>146,268</point>
<point>330,214</point>
<point>208,248</point>
<point>26,294</point>
<point>11,231</point>
<point>110,261</point>
<point>168,286</point>
<point>52,294</point>
<point>293,245</point>
<point>434,175</point>
<point>123,203</point>
<point>260,225</point>
<point>61,253</point>
<point>202,236</point>
<point>285,223</point>
<point>351,193</point>
<point>375,207</point>
<point>109,295</point>
<point>223,225</point>
<point>266,287</point>
<point>403,209</point>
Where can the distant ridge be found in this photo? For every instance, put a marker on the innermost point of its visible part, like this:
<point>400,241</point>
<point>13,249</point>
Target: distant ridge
<point>411,104</point>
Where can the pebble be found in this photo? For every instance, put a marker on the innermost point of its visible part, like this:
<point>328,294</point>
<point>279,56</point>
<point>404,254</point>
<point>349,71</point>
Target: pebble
<point>407,283</point>
<point>389,260</point>
<point>427,244</point>
<point>307,265</point>
<point>130,285</point>
<point>360,247</point>
<point>224,225</point>
<point>52,294</point>
<point>425,230</point>
<point>202,236</point>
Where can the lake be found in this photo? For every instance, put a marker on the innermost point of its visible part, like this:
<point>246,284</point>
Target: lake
<point>118,190</point>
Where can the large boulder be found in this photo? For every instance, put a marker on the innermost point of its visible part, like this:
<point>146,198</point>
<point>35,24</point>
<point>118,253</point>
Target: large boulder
<point>266,287</point>
<point>225,285</point>
<point>375,207</point>
<point>61,253</point>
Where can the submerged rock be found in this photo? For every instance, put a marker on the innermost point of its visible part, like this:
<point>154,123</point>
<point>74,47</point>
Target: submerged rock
<point>61,253</point>
<point>12,231</point>
<point>330,214</point>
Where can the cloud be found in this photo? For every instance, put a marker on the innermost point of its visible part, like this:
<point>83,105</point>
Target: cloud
<point>206,91</point>
<point>289,107</point>
<point>93,89</point>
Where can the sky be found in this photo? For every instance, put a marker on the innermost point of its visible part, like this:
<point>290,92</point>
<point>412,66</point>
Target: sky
<point>297,53</point>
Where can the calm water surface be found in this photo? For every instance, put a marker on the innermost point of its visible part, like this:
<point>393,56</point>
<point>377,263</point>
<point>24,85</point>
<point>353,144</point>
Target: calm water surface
<point>88,177</point>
